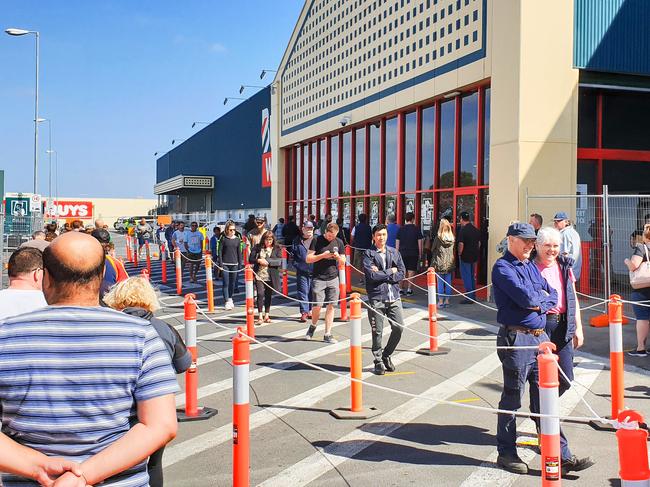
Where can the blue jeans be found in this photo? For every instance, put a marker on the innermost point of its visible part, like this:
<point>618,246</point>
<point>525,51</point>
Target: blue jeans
<point>229,279</point>
<point>444,286</point>
<point>467,273</point>
<point>519,366</point>
<point>304,290</point>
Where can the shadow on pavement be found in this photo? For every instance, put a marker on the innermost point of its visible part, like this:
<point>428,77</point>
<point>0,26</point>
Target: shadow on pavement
<point>300,366</point>
<point>432,434</point>
<point>381,451</point>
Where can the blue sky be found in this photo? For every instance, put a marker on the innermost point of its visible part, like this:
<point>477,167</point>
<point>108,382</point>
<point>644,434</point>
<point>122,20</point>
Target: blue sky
<point>121,79</point>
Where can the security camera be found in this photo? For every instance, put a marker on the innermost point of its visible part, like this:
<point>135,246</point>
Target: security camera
<point>345,120</point>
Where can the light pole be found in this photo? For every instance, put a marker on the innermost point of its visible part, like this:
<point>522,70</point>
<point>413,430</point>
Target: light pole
<point>177,140</point>
<point>22,32</point>
<point>49,152</point>
<point>194,124</point>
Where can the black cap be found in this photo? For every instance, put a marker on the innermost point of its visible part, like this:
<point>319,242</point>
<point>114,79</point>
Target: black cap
<point>522,230</point>
<point>102,235</point>
<point>464,216</point>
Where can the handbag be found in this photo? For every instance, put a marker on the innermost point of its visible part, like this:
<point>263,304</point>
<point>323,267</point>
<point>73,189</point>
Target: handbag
<point>640,278</point>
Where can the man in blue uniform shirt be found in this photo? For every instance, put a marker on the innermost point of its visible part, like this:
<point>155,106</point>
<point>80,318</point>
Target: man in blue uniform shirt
<point>522,297</point>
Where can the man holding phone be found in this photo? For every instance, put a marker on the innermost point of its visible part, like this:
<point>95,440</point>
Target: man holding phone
<point>324,253</point>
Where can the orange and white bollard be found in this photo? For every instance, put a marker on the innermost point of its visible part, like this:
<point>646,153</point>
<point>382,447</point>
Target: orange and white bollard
<point>147,250</point>
<point>250,301</point>
<point>192,411</point>
<point>206,245</point>
<point>208,282</point>
<point>433,317</point>
<point>179,272</point>
<point>145,274</point>
<point>343,292</point>
<point>240,410</point>
<point>356,410</point>
<point>127,241</point>
<point>348,269</point>
<point>136,251</point>
<point>549,404</point>
<point>632,450</point>
<point>163,263</point>
<point>615,312</point>
<point>285,275</point>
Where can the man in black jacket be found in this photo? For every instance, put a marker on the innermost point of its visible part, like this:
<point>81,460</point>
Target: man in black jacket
<point>384,269</point>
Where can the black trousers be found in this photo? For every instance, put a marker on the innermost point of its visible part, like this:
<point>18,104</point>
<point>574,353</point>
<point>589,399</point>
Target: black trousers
<point>155,468</point>
<point>264,295</point>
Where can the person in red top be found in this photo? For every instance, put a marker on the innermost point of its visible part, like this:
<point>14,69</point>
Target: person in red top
<point>114,270</point>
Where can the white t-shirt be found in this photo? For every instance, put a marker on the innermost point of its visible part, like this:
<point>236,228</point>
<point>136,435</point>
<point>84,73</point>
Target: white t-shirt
<point>18,301</point>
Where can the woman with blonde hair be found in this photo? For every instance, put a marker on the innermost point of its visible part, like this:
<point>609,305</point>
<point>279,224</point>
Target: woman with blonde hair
<point>136,297</point>
<point>442,260</point>
<point>642,296</point>
<point>266,258</point>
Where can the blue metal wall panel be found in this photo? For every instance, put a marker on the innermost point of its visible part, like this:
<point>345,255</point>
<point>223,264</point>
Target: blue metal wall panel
<point>230,149</point>
<point>612,36</point>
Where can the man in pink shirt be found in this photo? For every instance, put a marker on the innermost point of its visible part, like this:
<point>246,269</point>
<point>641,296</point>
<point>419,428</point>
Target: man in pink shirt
<point>563,323</point>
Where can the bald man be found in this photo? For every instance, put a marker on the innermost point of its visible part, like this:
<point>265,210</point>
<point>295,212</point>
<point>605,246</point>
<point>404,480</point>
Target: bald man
<point>83,343</point>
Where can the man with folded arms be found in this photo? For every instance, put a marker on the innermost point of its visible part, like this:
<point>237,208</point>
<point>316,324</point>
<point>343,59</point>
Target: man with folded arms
<point>83,382</point>
<point>523,297</point>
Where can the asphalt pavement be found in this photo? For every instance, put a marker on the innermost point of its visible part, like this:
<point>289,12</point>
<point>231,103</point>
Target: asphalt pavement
<point>415,440</point>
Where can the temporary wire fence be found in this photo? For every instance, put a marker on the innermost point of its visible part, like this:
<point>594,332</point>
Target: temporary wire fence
<point>576,419</point>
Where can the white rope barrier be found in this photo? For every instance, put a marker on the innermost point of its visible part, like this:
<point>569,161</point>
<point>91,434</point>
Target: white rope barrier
<point>576,419</point>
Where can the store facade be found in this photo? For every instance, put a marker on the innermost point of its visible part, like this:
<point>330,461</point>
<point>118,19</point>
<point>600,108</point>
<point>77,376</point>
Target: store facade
<point>444,106</point>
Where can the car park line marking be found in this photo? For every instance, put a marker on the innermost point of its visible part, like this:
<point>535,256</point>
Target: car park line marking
<point>211,439</point>
<point>471,399</point>
<point>406,372</point>
<point>488,474</point>
<point>351,444</point>
<point>226,384</point>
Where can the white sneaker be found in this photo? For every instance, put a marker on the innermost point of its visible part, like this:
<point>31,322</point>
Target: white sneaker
<point>229,305</point>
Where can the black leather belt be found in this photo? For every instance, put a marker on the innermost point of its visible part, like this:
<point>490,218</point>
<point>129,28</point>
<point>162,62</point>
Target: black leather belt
<point>528,331</point>
<point>555,317</point>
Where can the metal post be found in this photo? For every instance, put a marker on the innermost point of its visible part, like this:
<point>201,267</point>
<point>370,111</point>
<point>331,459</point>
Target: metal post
<point>36,118</point>
<point>606,244</point>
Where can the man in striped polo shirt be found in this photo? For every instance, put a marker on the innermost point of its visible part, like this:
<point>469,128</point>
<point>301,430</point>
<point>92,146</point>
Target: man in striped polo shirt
<point>84,382</point>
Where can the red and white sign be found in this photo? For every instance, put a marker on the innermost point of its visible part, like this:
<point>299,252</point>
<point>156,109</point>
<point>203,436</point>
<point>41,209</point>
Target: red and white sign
<point>71,209</point>
<point>267,159</point>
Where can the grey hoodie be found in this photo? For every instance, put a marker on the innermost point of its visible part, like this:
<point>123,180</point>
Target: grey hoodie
<point>180,356</point>
<point>442,255</point>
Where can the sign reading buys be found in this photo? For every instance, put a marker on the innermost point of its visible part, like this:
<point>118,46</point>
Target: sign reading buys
<point>71,209</point>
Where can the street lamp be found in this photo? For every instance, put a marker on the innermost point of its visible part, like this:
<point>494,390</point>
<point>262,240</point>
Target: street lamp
<point>49,152</point>
<point>232,98</point>
<point>22,32</point>
<point>201,123</point>
<point>243,87</point>
<point>264,71</point>
<point>177,140</point>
